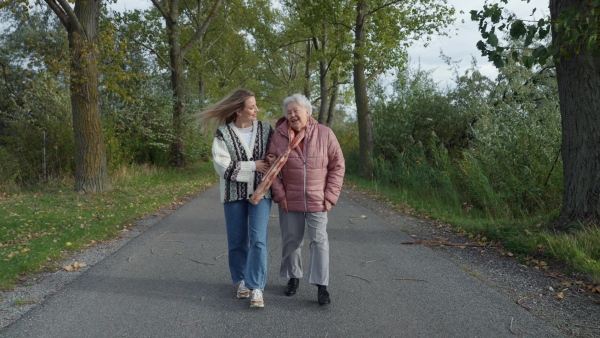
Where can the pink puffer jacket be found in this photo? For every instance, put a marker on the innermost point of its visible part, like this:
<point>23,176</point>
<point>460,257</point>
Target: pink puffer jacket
<point>311,174</point>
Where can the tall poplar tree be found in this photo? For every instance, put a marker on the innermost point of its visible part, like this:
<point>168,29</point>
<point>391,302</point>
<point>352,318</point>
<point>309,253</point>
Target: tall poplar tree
<point>382,32</point>
<point>170,11</point>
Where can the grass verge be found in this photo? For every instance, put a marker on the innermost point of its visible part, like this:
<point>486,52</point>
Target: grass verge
<point>41,226</point>
<point>531,240</point>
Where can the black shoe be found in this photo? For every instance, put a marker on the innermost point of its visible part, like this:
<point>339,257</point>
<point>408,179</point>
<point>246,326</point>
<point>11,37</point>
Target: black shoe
<point>292,286</point>
<point>323,297</point>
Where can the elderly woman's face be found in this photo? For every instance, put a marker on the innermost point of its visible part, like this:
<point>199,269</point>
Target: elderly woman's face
<point>296,115</point>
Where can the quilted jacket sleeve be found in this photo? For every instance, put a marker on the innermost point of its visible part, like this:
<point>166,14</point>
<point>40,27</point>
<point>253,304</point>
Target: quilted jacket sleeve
<point>336,169</point>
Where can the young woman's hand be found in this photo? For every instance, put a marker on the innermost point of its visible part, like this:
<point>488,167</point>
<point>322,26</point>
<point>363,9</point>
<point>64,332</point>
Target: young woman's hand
<point>262,166</point>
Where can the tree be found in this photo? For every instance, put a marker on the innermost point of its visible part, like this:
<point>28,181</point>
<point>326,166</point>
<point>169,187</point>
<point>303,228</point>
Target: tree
<point>225,58</point>
<point>82,25</point>
<point>170,11</point>
<point>331,45</point>
<point>382,32</point>
<point>285,54</point>
<point>575,52</point>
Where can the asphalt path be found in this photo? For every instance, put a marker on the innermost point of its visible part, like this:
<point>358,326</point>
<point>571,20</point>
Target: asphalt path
<point>173,281</point>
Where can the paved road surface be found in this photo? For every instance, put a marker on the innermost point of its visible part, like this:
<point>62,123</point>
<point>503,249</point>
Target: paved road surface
<point>173,281</point>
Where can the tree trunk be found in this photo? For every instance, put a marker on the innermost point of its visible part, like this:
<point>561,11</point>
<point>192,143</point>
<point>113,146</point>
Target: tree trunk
<point>324,94</point>
<point>201,90</point>
<point>332,103</point>
<point>579,88</point>
<point>176,54</point>
<point>365,127</point>
<point>201,82</point>
<point>323,78</point>
<point>91,174</point>
<point>307,71</point>
<point>177,85</point>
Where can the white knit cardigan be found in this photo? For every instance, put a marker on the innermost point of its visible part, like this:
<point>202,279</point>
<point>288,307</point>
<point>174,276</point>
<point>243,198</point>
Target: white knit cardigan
<point>233,160</point>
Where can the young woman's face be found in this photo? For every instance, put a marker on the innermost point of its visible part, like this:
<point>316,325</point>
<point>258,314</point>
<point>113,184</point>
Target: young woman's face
<point>296,115</point>
<point>250,111</point>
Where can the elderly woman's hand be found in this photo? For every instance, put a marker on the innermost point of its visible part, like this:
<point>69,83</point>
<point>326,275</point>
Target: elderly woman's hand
<point>327,205</point>
<point>283,204</point>
<point>271,159</point>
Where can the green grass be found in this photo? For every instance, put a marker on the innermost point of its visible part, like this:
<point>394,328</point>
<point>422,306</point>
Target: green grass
<point>23,302</point>
<point>530,239</point>
<point>41,226</point>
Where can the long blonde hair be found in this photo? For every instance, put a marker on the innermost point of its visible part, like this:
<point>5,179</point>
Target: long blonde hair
<point>224,111</point>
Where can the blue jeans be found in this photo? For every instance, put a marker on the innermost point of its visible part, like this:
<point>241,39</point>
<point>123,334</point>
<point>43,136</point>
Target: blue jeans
<point>247,241</point>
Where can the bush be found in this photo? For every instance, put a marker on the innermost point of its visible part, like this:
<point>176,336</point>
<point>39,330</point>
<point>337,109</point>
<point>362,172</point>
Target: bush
<point>491,145</point>
<point>141,130</point>
<point>43,125</point>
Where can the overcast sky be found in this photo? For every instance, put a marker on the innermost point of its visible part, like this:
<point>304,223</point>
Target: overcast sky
<point>461,46</point>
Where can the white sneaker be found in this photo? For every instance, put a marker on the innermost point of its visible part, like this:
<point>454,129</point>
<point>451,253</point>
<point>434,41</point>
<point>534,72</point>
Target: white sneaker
<point>243,291</point>
<point>257,299</point>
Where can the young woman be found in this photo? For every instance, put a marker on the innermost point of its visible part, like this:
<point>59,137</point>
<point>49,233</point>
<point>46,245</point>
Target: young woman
<point>239,150</point>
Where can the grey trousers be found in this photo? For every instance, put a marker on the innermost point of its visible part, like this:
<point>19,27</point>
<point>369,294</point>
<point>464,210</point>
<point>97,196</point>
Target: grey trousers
<point>292,226</point>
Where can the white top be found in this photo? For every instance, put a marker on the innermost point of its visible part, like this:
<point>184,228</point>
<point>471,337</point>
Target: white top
<point>246,134</point>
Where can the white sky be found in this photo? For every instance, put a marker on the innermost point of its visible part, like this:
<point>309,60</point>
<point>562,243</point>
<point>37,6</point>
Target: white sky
<point>130,5</point>
<point>461,46</point>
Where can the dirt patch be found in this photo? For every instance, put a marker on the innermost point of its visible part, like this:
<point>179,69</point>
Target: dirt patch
<point>546,291</point>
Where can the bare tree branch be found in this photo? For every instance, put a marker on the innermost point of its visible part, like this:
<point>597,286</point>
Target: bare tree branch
<point>374,74</point>
<point>155,52</point>
<point>212,43</point>
<point>60,13</point>
<point>14,96</point>
<point>275,73</point>
<point>8,86</point>
<point>73,19</point>
<point>161,9</point>
<point>202,29</point>
<point>315,42</point>
<point>382,7</point>
<point>343,25</point>
<point>189,13</point>
<point>292,43</point>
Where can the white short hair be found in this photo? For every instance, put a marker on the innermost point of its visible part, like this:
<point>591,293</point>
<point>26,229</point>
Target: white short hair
<point>300,99</point>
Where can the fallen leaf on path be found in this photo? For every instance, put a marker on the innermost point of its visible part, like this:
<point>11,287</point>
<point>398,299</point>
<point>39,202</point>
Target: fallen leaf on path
<point>520,300</point>
<point>75,267</point>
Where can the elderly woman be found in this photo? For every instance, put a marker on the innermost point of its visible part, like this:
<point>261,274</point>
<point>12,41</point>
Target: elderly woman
<point>308,185</point>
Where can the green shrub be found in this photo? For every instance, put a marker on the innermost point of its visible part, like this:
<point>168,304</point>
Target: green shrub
<point>491,145</point>
<point>140,130</point>
<point>40,130</point>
